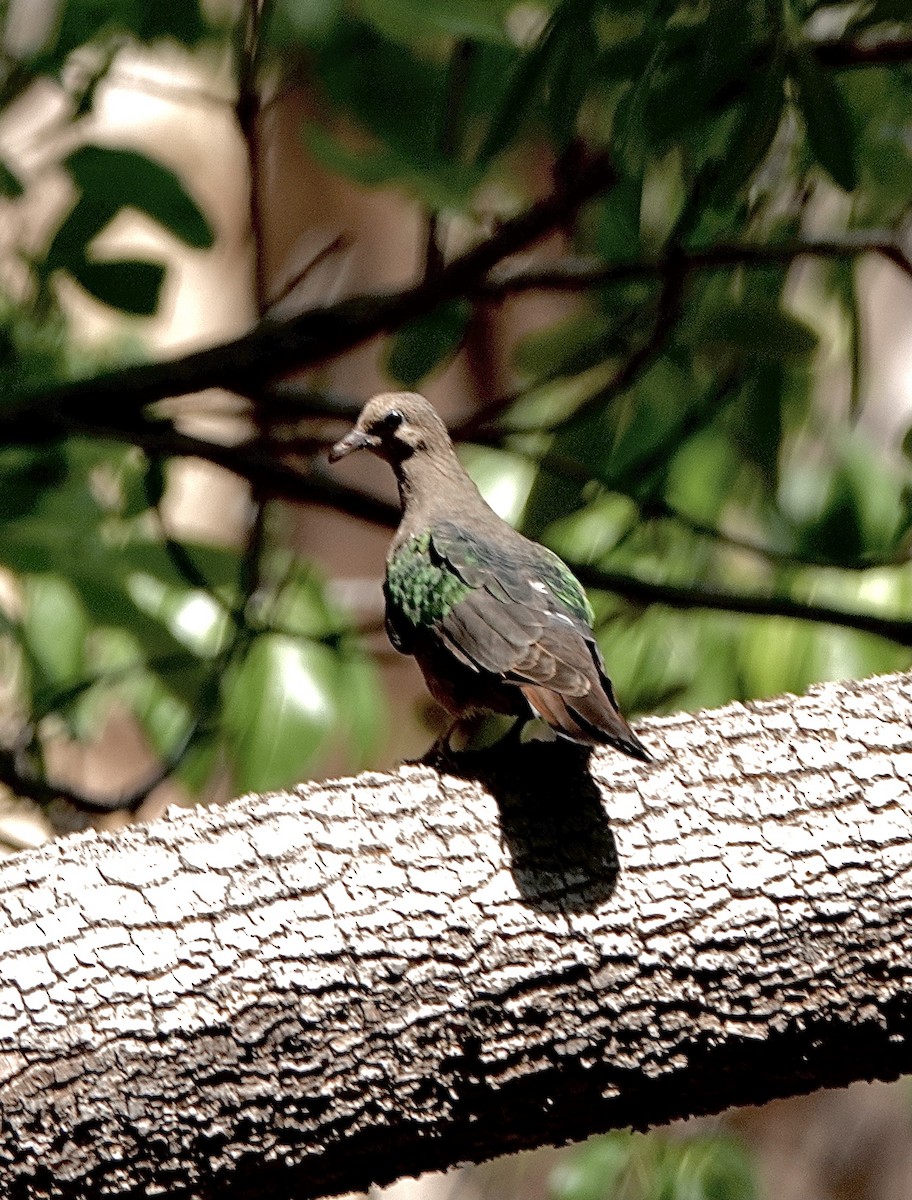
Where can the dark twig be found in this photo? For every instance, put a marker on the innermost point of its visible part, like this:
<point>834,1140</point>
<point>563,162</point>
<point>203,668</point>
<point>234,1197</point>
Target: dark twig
<point>310,338</point>
<point>319,334</point>
<point>335,246</point>
<point>660,509</point>
<point>580,275</point>
<point>858,53</point>
<point>668,311</point>
<point>20,778</point>
<point>642,591</point>
<point>248,112</point>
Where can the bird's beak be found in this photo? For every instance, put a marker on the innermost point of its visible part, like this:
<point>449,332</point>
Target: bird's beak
<point>356,440</point>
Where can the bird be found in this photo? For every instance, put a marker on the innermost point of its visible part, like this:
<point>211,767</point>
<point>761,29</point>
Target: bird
<point>497,622</point>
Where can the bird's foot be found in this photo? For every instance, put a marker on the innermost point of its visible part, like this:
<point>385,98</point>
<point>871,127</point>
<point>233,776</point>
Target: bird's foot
<point>440,753</point>
<point>443,755</point>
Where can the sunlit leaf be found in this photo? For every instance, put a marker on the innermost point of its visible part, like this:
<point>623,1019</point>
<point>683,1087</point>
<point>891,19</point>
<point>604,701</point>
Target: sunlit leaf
<point>279,710</point>
<point>54,626</point>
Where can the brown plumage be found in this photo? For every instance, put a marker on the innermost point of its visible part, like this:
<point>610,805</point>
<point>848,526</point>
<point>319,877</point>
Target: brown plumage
<point>496,621</point>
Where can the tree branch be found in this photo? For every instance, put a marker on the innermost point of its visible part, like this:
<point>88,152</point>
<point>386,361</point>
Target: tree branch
<point>642,591</point>
<point>303,993</point>
<point>305,340</point>
<point>319,334</point>
<point>645,591</point>
<point>854,52</point>
<point>582,275</point>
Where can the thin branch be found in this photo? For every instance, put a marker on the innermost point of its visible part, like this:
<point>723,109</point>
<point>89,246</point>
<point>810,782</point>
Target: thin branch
<point>661,509</point>
<point>248,112</point>
<point>667,314</point>
<point>642,591</point>
<point>856,52</point>
<point>335,246</point>
<point>583,275</point>
<point>310,338</point>
<point>20,778</point>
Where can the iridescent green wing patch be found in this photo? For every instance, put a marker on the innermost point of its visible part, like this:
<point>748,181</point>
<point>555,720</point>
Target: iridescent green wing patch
<point>420,585</point>
<point>512,572</point>
<point>564,586</point>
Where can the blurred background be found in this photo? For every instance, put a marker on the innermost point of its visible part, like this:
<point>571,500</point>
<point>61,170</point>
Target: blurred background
<point>697,387</point>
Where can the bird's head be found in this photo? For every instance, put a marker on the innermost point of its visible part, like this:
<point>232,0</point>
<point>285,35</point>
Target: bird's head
<point>394,425</point>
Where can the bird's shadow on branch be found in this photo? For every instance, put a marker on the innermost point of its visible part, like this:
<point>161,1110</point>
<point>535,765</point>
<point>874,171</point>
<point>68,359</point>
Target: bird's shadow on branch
<point>562,850</point>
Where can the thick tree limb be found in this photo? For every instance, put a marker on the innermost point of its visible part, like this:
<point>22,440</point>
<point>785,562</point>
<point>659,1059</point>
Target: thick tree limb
<point>301,993</point>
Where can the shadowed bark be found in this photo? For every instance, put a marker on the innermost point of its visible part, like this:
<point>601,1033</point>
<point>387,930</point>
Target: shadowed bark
<point>305,992</point>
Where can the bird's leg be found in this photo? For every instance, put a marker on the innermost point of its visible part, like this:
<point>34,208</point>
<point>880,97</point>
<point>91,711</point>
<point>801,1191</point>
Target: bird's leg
<point>440,751</point>
<point>512,739</point>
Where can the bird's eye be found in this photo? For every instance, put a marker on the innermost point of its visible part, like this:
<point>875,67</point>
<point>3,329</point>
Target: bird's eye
<point>391,420</point>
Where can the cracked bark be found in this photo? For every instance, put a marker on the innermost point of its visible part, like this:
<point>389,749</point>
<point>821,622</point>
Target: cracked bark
<point>302,993</point>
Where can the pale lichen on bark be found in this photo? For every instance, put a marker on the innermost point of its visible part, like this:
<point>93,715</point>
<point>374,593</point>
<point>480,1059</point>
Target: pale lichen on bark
<point>300,993</point>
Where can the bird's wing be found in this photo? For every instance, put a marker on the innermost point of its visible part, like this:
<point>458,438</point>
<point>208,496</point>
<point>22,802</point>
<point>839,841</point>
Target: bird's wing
<point>525,617</point>
<point>510,609</point>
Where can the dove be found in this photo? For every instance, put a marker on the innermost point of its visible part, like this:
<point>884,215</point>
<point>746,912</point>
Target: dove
<point>497,622</point>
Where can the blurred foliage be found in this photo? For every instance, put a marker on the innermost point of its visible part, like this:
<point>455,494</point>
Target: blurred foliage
<point>674,427</point>
<point>627,1166</point>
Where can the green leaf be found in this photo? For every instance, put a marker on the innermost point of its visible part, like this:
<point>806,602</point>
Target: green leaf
<point>116,179</point>
<point>702,475</point>
<point>757,120</point>
<point>695,72</point>
<point>827,121</point>
<point>11,185</point>
<point>444,185</point>
<point>82,224</point>
<point>526,83</point>
<point>406,20</point>
<point>393,92</point>
<point>655,1167</point>
<point>618,216</point>
<point>132,286</point>
<point>881,11</point>
<point>757,328</point>
<point>574,49</point>
<point>428,342</point>
<point>54,625</point>
<point>84,21</point>
<point>291,24</point>
<point>26,473</point>
<point>879,104</point>
<point>182,20</point>
<point>569,346</point>
<point>756,419</point>
<point>279,711</point>
<point>594,1170</point>
<point>141,483</point>
<point>357,687</point>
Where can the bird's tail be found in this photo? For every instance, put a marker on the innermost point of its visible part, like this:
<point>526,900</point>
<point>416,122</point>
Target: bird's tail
<point>591,719</point>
